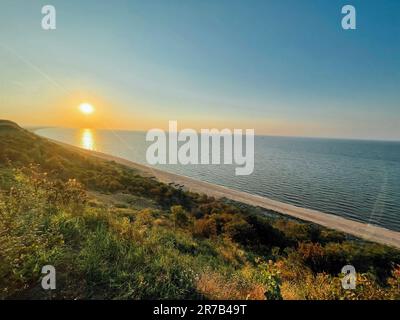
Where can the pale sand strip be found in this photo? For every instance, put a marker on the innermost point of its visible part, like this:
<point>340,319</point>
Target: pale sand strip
<point>358,229</point>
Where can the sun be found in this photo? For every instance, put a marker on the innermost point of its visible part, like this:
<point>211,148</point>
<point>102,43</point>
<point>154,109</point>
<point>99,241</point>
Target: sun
<point>86,108</point>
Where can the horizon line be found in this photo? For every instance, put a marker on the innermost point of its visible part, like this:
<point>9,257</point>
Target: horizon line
<point>41,127</point>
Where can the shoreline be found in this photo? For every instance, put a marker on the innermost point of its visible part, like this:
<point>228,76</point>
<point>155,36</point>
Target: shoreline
<point>358,229</point>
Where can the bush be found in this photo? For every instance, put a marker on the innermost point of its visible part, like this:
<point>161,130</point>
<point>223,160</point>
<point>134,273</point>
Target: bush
<point>179,216</point>
<point>239,230</point>
<point>265,234</point>
<point>313,254</point>
<point>206,228</point>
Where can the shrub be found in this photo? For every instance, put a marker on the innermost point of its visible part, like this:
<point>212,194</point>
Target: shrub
<point>270,277</point>
<point>265,234</point>
<point>179,216</point>
<point>394,282</point>
<point>206,228</point>
<point>313,254</point>
<point>239,230</point>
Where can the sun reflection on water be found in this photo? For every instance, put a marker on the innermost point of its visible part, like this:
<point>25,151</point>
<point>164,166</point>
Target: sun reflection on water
<point>87,139</point>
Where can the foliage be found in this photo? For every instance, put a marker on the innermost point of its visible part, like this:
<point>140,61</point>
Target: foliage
<point>179,216</point>
<point>114,234</point>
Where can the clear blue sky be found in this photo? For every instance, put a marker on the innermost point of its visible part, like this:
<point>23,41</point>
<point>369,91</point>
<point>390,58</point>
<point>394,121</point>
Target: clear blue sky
<point>285,67</point>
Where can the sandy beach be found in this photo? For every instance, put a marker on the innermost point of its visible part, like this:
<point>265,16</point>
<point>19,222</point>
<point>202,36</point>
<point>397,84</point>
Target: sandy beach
<point>357,229</point>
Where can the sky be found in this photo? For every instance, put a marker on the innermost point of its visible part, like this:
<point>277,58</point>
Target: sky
<point>282,67</point>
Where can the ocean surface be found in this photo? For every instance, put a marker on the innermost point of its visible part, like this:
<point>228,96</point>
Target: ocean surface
<point>355,179</point>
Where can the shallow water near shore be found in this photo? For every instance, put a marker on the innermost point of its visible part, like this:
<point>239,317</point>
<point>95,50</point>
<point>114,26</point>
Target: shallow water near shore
<point>355,179</point>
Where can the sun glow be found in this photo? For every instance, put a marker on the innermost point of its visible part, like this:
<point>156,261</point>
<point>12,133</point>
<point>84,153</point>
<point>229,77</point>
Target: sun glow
<point>86,108</point>
<point>87,139</point>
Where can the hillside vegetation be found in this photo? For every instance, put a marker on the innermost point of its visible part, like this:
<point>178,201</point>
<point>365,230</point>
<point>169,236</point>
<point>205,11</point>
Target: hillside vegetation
<point>114,234</point>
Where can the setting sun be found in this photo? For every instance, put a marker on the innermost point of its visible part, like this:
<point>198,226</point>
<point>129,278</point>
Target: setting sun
<point>86,108</point>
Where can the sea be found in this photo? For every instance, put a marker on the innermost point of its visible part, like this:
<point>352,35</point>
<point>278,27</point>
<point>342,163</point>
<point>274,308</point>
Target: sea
<point>354,179</point>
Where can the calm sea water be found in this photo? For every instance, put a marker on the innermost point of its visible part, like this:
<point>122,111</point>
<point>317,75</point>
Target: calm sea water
<point>359,180</point>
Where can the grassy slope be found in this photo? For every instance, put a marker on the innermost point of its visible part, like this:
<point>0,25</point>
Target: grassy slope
<point>112,233</point>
